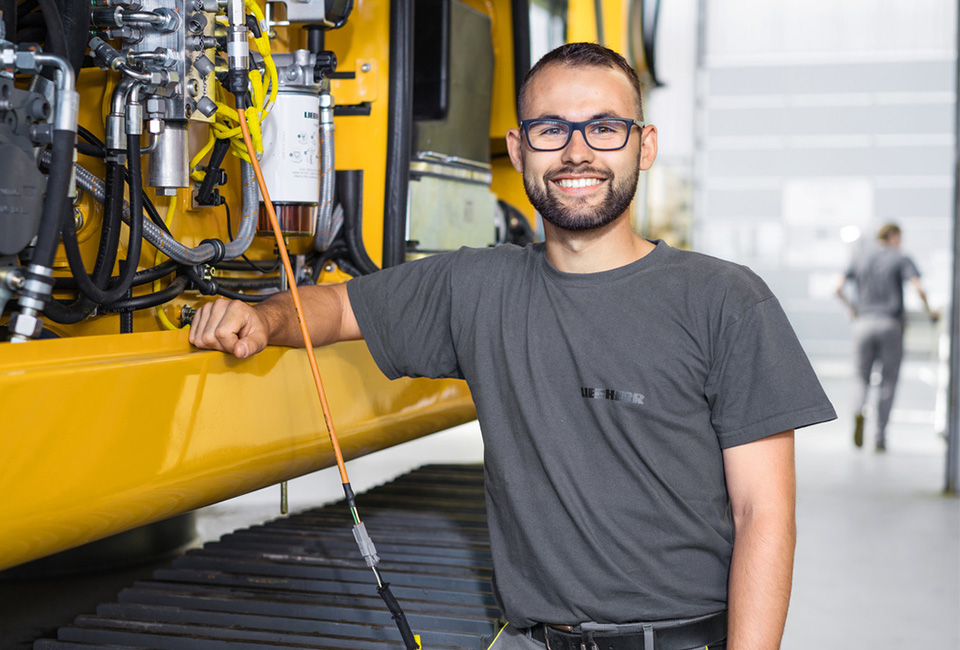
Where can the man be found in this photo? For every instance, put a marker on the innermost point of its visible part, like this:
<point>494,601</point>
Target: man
<point>637,402</point>
<point>878,277</point>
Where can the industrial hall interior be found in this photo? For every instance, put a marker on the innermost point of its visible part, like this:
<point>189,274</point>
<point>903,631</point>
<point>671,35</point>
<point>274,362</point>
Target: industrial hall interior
<point>346,324</point>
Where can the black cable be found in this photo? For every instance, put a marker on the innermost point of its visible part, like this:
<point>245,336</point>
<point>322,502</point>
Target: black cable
<point>246,297</point>
<point>145,276</point>
<point>350,191</point>
<point>87,135</point>
<point>25,8</point>
<point>56,40</point>
<point>249,283</point>
<point>207,194</point>
<point>177,286</point>
<point>397,615</point>
<point>91,150</point>
<point>237,265</point>
<point>335,251</point>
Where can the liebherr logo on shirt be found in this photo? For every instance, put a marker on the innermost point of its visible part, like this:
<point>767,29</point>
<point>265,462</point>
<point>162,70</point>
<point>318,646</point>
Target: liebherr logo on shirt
<point>609,393</point>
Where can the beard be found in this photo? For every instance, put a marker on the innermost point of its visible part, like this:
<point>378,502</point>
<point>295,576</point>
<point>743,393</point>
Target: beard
<point>577,215</point>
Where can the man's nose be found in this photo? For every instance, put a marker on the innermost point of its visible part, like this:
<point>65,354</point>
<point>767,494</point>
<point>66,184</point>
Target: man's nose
<point>577,150</point>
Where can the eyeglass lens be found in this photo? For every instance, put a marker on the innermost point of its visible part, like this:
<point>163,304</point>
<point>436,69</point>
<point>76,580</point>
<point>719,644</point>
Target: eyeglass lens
<point>599,134</point>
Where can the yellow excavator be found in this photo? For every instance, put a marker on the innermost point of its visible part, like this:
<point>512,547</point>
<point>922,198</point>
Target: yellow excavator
<point>127,199</point>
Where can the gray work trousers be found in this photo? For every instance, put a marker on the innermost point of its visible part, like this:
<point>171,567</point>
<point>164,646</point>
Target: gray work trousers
<point>878,340</point>
<point>512,638</point>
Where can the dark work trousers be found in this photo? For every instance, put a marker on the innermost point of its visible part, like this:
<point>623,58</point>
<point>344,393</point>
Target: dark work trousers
<point>512,638</point>
<point>878,340</point>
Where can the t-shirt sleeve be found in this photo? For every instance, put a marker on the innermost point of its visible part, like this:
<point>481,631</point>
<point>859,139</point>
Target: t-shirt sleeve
<point>909,270</point>
<point>761,382</point>
<point>404,313</point>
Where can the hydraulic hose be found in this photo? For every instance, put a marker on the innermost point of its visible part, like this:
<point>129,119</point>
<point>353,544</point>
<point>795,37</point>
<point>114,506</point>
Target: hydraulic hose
<point>177,286</point>
<point>143,277</point>
<point>55,202</point>
<point>399,133</point>
<point>350,189</point>
<point>36,292</point>
<point>204,252</point>
<point>134,245</point>
<point>324,233</point>
<point>81,308</point>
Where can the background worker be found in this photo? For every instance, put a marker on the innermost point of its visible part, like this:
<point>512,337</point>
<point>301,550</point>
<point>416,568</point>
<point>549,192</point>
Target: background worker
<point>878,277</point>
<point>637,402</point>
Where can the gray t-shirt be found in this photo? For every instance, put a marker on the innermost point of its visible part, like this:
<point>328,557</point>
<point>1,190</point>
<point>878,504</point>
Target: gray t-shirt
<point>879,275</point>
<point>605,400</point>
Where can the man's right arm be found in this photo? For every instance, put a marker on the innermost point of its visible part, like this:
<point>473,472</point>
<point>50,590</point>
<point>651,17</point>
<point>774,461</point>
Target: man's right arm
<point>236,327</point>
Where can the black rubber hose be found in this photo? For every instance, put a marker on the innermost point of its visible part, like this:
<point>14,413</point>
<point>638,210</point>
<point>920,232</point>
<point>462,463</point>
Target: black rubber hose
<point>83,306</point>
<point>246,297</point>
<point>350,191</point>
<point>71,247</point>
<point>55,202</point>
<point>520,14</point>
<point>399,133</point>
<point>177,286</point>
<point>99,150</point>
<point>56,40</point>
<point>145,276</point>
<point>398,616</point>
<point>76,26</point>
<point>249,283</point>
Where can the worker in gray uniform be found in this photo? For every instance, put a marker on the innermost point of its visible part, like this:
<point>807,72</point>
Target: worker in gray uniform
<point>637,402</point>
<point>876,305</point>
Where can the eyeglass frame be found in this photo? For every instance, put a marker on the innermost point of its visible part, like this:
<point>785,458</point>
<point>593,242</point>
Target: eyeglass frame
<point>579,126</point>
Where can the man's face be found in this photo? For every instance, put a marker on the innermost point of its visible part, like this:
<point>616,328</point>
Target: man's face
<point>579,188</point>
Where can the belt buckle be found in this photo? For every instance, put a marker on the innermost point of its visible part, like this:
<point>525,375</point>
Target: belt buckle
<point>585,637</point>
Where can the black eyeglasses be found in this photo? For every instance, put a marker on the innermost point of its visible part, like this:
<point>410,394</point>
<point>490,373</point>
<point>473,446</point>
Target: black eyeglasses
<point>604,134</point>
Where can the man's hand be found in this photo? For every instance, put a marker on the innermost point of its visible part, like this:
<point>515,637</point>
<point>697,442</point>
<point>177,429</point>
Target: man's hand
<point>229,326</point>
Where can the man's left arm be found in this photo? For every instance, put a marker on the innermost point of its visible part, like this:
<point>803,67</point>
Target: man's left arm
<point>762,487</point>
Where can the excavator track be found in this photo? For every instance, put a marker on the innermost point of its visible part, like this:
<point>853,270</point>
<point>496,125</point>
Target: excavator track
<point>300,582</point>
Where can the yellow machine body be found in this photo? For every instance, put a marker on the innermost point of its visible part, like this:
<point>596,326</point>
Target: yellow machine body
<point>104,432</point>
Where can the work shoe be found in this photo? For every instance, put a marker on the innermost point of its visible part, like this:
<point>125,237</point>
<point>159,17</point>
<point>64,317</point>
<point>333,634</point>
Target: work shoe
<point>858,430</point>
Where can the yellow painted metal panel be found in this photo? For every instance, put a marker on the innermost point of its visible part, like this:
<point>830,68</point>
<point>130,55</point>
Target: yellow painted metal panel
<point>106,433</point>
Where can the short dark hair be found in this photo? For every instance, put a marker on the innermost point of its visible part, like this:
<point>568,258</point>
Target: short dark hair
<point>887,231</point>
<point>582,55</point>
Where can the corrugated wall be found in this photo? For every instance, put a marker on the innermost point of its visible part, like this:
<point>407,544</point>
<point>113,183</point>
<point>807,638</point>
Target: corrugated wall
<point>817,120</point>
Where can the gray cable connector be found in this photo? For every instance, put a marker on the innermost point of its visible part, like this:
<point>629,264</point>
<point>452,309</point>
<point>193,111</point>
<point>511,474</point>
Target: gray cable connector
<point>367,549</point>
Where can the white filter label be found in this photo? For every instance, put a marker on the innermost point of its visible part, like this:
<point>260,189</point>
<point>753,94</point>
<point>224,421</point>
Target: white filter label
<point>291,149</point>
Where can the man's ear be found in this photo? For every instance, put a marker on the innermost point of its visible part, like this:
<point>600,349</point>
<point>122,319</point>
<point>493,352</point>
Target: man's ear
<point>648,146</point>
<point>513,148</point>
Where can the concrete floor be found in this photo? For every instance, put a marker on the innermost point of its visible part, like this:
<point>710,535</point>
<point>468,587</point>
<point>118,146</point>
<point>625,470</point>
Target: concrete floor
<point>878,554</point>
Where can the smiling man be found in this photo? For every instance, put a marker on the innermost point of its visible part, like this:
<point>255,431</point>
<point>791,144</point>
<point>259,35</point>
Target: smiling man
<point>637,402</point>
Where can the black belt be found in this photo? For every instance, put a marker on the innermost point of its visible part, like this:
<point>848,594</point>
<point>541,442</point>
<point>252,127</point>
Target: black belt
<point>684,636</point>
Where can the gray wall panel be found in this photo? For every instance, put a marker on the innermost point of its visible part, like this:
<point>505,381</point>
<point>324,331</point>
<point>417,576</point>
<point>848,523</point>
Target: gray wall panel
<point>827,120</point>
<point>872,161</point>
<point>914,202</point>
<point>742,203</point>
<point>875,77</point>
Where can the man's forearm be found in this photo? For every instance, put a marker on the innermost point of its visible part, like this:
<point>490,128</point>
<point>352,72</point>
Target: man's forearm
<point>322,306</point>
<point>761,575</point>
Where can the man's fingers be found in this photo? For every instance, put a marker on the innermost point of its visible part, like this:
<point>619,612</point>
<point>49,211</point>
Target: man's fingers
<point>215,326</point>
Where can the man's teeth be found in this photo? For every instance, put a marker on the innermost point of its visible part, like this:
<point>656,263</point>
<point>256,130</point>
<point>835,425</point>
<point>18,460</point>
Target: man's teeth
<point>572,183</point>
